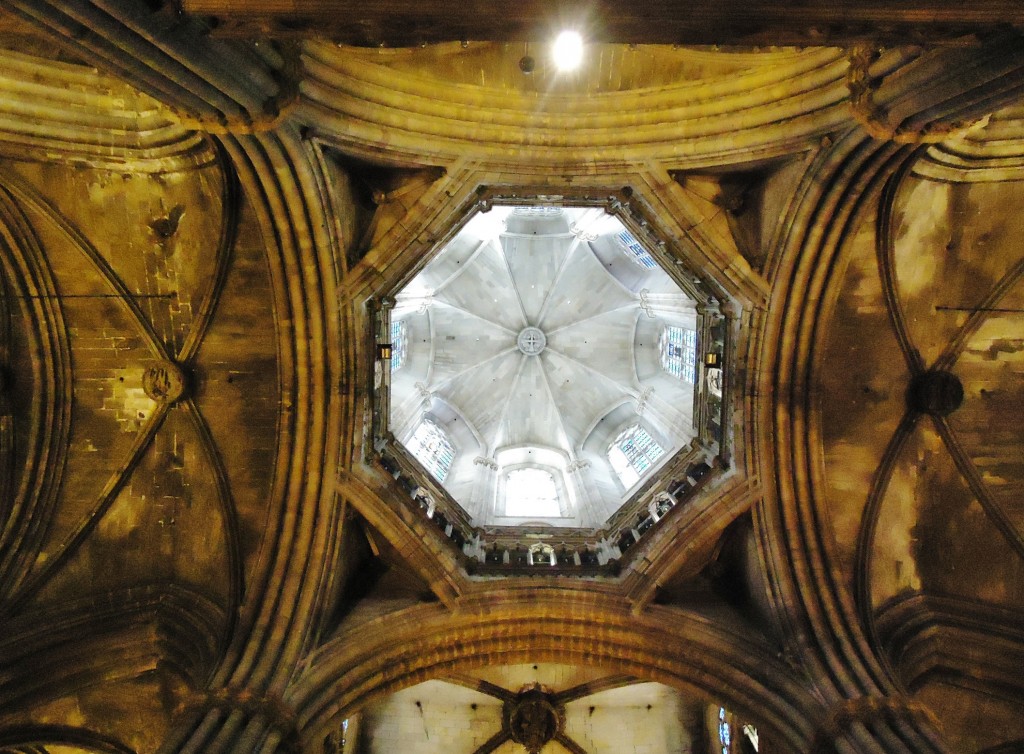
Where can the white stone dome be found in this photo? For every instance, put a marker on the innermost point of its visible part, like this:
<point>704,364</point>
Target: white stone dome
<point>534,340</point>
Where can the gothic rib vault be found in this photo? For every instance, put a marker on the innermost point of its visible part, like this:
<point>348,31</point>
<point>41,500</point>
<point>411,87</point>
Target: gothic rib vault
<point>202,545</point>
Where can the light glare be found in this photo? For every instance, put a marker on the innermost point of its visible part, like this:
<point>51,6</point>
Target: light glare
<point>568,51</point>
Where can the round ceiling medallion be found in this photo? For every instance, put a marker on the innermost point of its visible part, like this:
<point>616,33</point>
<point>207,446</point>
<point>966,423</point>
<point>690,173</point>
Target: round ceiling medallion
<point>164,382</point>
<point>531,341</point>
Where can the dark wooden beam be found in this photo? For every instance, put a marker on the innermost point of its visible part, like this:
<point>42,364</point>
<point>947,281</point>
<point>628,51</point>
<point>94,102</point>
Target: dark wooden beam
<point>401,23</point>
<point>594,687</point>
<point>479,684</point>
<point>571,746</point>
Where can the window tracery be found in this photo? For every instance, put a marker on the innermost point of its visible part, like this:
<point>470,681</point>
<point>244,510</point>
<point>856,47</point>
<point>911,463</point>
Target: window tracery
<point>724,732</point>
<point>635,251</point>
<point>633,453</point>
<point>679,352</point>
<point>531,493</point>
<point>398,344</point>
<point>431,447</point>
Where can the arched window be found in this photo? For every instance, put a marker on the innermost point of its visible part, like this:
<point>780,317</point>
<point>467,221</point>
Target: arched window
<point>679,352</point>
<point>635,251</point>
<point>398,344</point>
<point>633,453</point>
<point>431,447</point>
<point>531,493</point>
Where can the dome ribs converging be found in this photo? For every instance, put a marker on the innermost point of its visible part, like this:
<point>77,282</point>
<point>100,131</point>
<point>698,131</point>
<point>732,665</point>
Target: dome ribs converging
<point>453,358</point>
<point>525,347</point>
<point>470,313</point>
<point>533,417</point>
<point>474,392</point>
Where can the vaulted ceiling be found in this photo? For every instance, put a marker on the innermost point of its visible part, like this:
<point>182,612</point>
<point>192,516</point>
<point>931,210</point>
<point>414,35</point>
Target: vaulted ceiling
<point>556,402</point>
<point>201,546</point>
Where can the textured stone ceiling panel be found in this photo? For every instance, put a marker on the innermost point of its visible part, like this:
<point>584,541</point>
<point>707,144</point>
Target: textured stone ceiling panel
<point>600,345</point>
<point>959,228</point>
<point>169,505</point>
<point>478,393</point>
<point>989,422</point>
<point>484,290</point>
<point>583,290</point>
<point>532,261</point>
<point>477,341</point>
<point>583,393</point>
<point>533,418</point>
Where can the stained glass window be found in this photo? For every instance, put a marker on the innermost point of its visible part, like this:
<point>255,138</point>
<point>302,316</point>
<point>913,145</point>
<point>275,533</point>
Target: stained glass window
<point>398,344</point>
<point>431,447</point>
<point>724,732</point>
<point>635,251</point>
<point>531,492</point>
<point>633,453</point>
<point>679,352</point>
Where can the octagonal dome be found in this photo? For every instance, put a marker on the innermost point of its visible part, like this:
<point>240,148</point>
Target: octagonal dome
<point>543,366</point>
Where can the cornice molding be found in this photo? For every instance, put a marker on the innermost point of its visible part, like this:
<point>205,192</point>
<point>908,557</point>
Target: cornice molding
<point>61,112</point>
<point>867,711</point>
<point>402,23</point>
<point>352,102</point>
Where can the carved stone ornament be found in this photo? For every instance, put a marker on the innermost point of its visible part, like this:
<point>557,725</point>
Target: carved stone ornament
<point>874,116</point>
<point>164,382</point>
<point>531,341</point>
<point>532,719</point>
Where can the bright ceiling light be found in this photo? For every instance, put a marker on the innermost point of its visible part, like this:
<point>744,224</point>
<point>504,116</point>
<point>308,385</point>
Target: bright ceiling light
<point>568,51</point>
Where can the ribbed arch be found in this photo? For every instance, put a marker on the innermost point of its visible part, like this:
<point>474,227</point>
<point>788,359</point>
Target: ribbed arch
<point>668,646</point>
<point>356,100</point>
<point>33,738</point>
<point>834,199</point>
<point>29,288</point>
